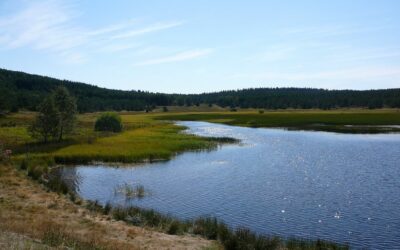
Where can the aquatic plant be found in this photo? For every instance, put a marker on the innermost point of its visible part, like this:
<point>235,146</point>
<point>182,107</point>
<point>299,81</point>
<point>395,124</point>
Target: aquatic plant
<point>130,191</point>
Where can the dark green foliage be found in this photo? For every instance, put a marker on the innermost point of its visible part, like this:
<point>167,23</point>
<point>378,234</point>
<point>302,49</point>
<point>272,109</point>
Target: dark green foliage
<point>25,91</point>
<point>206,227</point>
<point>94,206</point>
<point>165,109</point>
<point>174,228</point>
<point>36,171</point>
<point>107,208</point>
<point>108,122</point>
<point>24,163</point>
<point>66,108</point>
<point>56,116</point>
<point>57,184</point>
<point>46,123</point>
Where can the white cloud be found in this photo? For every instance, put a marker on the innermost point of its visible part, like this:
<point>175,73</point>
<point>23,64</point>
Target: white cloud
<point>52,26</point>
<point>182,56</point>
<point>149,29</point>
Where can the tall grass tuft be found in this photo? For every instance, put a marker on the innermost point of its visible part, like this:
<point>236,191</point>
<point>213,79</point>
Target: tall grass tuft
<point>130,191</point>
<point>213,229</point>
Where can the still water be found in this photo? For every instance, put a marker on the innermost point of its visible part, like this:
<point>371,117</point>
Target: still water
<point>340,187</point>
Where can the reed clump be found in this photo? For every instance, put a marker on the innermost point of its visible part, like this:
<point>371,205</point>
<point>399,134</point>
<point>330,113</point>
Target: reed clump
<point>213,229</point>
<point>130,191</point>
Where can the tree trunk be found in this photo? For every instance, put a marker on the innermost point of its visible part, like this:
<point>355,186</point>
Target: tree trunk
<point>61,134</point>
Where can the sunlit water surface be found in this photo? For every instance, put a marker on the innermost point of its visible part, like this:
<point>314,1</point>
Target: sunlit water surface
<point>339,187</point>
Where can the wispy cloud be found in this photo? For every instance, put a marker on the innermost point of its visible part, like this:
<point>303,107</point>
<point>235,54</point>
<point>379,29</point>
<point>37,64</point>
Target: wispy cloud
<point>51,25</point>
<point>182,56</point>
<point>329,30</point>
<point>149,29</point>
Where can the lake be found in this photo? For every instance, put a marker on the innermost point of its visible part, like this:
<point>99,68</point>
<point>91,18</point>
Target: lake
<point>339,187</point>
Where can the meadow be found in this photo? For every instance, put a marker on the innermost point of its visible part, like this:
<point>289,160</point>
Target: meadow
<point>153,136</point>
<point>344,120</point>
<point>143,139</point>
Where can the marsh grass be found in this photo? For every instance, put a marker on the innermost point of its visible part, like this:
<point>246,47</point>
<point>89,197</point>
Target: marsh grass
<point>55,236</point>
<point>130,191</point>
<point>214,229</point>
<point>334,121</point>
<point>144,139</point>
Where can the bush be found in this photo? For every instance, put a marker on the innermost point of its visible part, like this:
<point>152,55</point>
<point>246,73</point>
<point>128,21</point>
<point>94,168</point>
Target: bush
<point>36,172</point>
<point>24,164</point>
<point>108,122</point>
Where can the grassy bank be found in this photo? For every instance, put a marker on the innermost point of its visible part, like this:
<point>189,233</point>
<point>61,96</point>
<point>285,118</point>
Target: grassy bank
<point>31,217</point>
<point>143,139</point>
<point>345,121</point>
<point>212,229</point>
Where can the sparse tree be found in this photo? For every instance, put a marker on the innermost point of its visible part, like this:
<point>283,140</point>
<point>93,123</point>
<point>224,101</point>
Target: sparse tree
<point>66,107</point>
<point>46,124</point>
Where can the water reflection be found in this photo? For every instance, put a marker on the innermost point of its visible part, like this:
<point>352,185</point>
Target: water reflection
<point>339,187</point>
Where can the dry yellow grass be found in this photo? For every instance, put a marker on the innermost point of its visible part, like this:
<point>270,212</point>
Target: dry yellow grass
<point>38,219</point>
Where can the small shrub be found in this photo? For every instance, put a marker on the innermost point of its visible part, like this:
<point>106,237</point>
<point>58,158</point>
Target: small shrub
<point>91,139</point>
<point>110,122</point>
<point>107,208</point>
<point>165,109</point>
<point>261,111</point>
<point>24,163</point>
<point>94,206</point>
<point>173,228</point>
<point>57,184</point>
<point>36,172</point>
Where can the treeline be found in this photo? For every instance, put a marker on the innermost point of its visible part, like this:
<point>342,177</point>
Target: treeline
<point>303,98</point>
<point>20,90</point>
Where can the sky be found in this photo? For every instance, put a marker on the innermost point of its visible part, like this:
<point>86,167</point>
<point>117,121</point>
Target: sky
<point>180,46</point>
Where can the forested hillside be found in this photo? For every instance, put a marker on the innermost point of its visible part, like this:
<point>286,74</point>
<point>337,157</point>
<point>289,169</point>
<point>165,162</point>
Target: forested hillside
<point>20,90</point>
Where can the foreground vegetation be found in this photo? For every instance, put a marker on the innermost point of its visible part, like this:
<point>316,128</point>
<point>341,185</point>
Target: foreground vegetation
<point>31,217</point>
<point>209,228</point>
<point>345,121</point>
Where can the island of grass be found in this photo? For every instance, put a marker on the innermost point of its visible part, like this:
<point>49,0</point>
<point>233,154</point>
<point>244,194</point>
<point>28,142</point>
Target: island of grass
<point>342,120</point>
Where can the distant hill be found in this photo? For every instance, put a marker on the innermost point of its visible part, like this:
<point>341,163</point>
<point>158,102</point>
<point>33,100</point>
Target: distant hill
<point>20,90</point>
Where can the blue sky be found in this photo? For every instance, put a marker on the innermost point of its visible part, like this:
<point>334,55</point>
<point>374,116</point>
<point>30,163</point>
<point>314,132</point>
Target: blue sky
<point>203,46</point>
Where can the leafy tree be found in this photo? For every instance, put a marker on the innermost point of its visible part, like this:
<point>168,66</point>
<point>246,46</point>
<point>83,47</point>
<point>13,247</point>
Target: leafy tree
<point>108,122</point>
<point>66,106</point>
<point>46,124</point>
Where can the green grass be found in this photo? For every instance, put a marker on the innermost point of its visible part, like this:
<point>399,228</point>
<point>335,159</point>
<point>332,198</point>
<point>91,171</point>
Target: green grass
<point>143,139</point>
<point>156,142</point>
<point>210,228</point>
<point>363,121</point>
